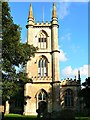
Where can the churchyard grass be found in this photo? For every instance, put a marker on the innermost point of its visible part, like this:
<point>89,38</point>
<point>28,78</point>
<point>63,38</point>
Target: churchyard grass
<point>22,117</point>
<point>82,118</point>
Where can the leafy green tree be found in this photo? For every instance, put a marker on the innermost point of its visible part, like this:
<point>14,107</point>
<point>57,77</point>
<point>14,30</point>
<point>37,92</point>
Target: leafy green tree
<point>14,54</point>
<point>85,92</point>
<point>0,51</point>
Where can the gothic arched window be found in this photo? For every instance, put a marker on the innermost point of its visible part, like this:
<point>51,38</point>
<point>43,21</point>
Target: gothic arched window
<point>42,40</point>
<point>68,98</point>
<point>42,67</point>
<point>42,95</point>
<point>41,101</point>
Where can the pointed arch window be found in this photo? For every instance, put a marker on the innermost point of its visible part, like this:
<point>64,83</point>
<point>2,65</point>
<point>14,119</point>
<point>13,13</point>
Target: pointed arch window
<point>68,98</point>
<point>41,100</point>
<point>42,40</point>
<point>42,67</point>
<point>42,96</point>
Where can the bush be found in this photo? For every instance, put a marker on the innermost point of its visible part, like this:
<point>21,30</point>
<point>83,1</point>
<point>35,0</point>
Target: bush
<point>65,114</point>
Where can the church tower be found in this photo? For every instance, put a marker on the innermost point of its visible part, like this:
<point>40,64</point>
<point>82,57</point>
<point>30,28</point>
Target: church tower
<point>43,93</point>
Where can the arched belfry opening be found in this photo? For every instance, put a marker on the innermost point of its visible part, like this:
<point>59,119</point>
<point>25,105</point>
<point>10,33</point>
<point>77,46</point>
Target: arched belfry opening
<point>42,39</point>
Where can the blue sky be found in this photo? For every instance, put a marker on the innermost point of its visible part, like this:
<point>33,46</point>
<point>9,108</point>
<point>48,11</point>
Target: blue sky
<point>73,32</point>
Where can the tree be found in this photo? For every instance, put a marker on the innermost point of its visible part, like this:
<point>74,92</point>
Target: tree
<point>85,94</point>
<point>14,53</point>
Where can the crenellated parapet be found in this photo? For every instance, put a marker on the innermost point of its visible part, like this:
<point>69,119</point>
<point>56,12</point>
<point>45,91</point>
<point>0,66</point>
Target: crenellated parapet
<point>41,78</point>
<point>70,82</point>
<point>41,24</point>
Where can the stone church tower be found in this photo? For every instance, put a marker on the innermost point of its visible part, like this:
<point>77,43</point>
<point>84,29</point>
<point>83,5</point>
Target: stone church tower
<point>44,92</point>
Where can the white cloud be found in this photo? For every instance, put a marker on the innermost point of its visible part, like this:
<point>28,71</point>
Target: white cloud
<point>62,57</point>
<point>70,72</point>
<point>62,9</point>
<point>89,71</point>
<point>66,37</point>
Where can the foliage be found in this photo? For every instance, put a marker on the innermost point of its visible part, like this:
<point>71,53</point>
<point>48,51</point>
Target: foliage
<point>85,93</point>
<point>64,114</point>
<point>14,54</point>
<point>67,114</point>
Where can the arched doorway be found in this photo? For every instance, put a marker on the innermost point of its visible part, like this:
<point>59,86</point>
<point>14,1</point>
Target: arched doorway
<point>42,102</point>
<point>42,107</point>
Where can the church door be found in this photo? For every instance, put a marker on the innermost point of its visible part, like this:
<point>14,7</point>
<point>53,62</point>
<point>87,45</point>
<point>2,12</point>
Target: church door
<point>42,107</point>
<point>42,102</point>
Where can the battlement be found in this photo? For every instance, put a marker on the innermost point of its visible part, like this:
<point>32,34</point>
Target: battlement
<point>41,78</point>
<point>70,82</point>
<point>40,24</point>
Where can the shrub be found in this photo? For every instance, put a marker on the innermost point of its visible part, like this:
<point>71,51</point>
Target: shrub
<point>67,114</point>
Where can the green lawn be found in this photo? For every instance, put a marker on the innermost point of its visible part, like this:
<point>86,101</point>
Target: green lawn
<point>22,117</point>
<point>82,118</point>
